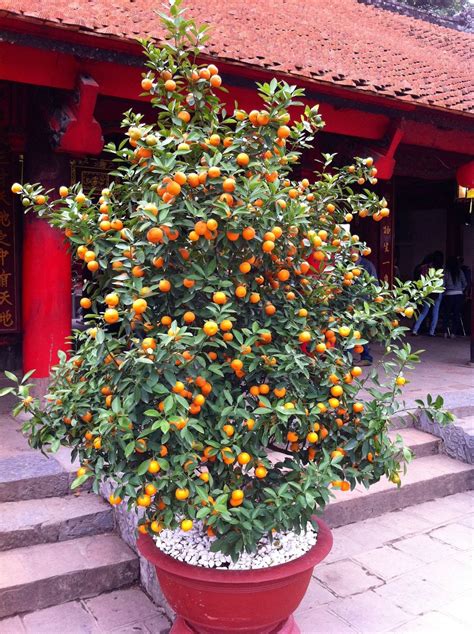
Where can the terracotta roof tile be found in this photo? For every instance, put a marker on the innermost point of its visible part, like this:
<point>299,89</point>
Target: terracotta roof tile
<point>337,41</point>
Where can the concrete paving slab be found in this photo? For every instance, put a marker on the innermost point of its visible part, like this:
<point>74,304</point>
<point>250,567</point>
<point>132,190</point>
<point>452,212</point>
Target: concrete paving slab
<point>369,612</point>
<point>449,574</point>
<point>456,535</point>
<point>69,617</point>
<point>434,623</point>
<point>423,548</point>
<point>322,620</point>
<point>414,595</point>
<point>121,608</point>
<point>387,563</point>
<point>439,512</point>
<point>345,578</point>
<point>12,625</point>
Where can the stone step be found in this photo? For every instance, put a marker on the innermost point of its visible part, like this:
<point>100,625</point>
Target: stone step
<point>36,577</point>
<point>421,443</point>
<point>30,522</point>
<point>427,478</point>
<point>30,475</point>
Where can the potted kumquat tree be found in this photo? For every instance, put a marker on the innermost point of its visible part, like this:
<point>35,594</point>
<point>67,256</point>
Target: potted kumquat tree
<point>216,383</point>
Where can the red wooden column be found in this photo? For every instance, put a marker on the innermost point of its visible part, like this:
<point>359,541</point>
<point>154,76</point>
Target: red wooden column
<point>46,296</point>
<point>46,275</point>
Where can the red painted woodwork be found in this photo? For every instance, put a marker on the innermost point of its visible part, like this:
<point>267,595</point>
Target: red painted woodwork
<point>44,67</point>
<point>46,296</point>
<point>385,163</point>
<point>429,135</point>
<point>465,175</point>
<point>74,128</point>
<point>257,601</point>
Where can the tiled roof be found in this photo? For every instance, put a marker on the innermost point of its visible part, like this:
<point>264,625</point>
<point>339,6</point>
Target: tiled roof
<point>340,42</point>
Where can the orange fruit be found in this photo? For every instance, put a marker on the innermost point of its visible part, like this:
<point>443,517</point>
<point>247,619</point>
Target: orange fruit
<point>181,494</point>
<point>150,489</point>
<point>268,246</point>
<point>170,85</point>
<point>226,325</point>
<point>140,305</point>
<point>210,328</point>
<point>283,132</point>
<point>236,364</point>
<point>219,298</point>
<point>336,390</point>
<point>214,172</point>
<point>144,500</point>
<point>248,233</point>
<point>154,235</point>
<point>261,472</point>
<point>283,275</point>
<point>189,317</point>
<point>228,185</point>
<point>164,286</point>
<point>243,458</point>
<point>85,303</point>
<point>111,316</point>
<point>111,299</point>
<point>243,159</point>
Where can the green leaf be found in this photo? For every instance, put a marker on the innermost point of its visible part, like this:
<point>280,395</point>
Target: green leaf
<point>143,467</point>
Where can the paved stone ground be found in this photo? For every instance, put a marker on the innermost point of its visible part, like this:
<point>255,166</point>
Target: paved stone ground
<point>127,611</point>
<point>406,571</point>
<point>443,370</point>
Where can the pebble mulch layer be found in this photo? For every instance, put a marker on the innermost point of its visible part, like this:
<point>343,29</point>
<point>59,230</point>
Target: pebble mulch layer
<point>194,547</point>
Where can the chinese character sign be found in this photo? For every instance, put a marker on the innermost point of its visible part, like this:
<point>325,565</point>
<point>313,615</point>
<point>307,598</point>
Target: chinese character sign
<point>9,305</point>
<point>92,173</point>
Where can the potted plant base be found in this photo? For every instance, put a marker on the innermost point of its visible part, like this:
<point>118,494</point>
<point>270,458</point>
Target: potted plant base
<point>257,601</point>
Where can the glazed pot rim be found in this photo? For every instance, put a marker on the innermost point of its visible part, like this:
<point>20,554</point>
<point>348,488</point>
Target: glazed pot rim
<point>165,563</point>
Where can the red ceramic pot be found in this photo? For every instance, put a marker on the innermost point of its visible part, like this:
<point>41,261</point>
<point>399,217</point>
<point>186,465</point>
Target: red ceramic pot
<point>261,601</point>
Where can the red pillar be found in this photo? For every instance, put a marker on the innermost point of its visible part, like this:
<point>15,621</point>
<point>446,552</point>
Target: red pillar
<point>46,274</point>
<point>46,297</point>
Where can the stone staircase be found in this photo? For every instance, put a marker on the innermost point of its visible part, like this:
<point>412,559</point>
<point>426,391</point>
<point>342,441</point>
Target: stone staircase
<point>431,474</point>
<point>56,546</point>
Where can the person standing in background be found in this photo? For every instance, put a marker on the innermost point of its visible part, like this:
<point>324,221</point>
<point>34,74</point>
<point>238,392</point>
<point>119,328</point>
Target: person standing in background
<point>434,261</point>
<point>454,283</point>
